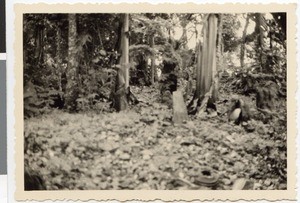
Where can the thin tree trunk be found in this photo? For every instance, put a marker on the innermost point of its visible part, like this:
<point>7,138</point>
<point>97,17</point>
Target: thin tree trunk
<point>122,80</point>
<point>198,71</point>
<point>58,58</point>
<point>242,55</point>
<point>220,42</point>
<point>125,49</point>
<point>39,44</point>
<point>153,69</point>
<point>71,88</point>
<point>260,39</point>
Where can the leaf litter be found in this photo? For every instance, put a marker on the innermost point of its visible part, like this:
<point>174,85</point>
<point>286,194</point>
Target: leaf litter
<point>141,148</point>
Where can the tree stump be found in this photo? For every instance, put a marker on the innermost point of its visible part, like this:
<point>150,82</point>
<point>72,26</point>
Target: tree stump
<point>179,108</point>
<point>266,96</point>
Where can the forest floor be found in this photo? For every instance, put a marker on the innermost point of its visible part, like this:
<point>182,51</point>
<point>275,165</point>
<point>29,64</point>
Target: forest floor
<point>141,148</point>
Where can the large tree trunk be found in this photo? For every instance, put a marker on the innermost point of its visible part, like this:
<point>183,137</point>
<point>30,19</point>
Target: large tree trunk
<point>206,85</point>
<point>71,89</point>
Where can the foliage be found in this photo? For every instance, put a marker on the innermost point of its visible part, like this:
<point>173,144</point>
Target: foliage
<point>38,100</point>
<point>268,62</point>
<point>46,68</point>
<point>230,26</point>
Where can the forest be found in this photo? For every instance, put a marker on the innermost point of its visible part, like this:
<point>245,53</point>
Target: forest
<point>155,101</point>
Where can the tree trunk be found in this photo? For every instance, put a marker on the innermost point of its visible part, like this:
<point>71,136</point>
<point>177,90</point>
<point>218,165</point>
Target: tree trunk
<point>39,44</point>
<point>120,100</point>
<point>242,55</point>
<point>125,49</point>
<point>59,58</point>
<point>220,43</point>
<point>204,62</point>
<point>213,30</point>
<point>122,80</point>
<point>206,81</point>
<point>261,42</point>
<point>199,71</point>
<point>71,89</point>
<point>153,68</point>
<point>260,26</point>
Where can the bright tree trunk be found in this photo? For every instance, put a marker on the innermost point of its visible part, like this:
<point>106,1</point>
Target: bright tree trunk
<point>206,70</point>
<point>125,49</point>
<point>213,30</point>
<point>71,87</point>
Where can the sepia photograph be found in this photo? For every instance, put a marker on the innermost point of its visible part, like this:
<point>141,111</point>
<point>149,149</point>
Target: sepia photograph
<point>143,102</point>
<point>155,101</point>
